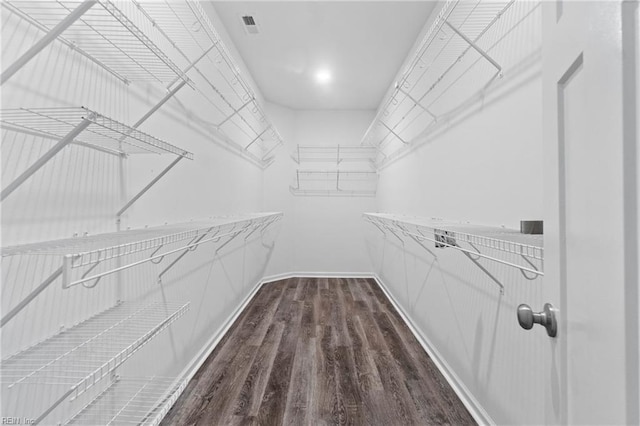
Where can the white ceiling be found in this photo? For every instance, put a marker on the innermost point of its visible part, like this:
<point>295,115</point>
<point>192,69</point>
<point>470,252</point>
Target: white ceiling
<point>362,43</point>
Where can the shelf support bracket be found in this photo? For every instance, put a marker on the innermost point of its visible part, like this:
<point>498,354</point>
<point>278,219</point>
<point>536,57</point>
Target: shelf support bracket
<point>262,227</point>
<point>157,106</point>
<point>235,111</point>
<point>191,65</point>
<point>415,101</point>
<point>13,312</point>
<point>475,47</point>
<point>46,40</point>
<point>421,244</point>
<point>252,231</point>
<point>489,274</point>
<point>171,93</point>
<point>95,283</point>
<point>272,149</point>
<point>394,233</point>
<point>229,240</point>
<point>256,138</point>
<point>379,228</point>
<point>416,239</point>
<point>183,254</point>
<point>149,185</point>
<point>297,179</point>
<point>393,133</point>
<point>530,278</point>
<point>46,157</point>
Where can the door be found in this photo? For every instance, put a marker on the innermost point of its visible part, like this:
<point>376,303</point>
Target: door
<point>591,239</point>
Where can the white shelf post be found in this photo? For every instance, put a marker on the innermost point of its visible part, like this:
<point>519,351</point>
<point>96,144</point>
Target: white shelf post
<point>46,40</point>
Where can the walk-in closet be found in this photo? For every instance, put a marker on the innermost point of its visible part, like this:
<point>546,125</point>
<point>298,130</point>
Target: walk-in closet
<point>320,212</point>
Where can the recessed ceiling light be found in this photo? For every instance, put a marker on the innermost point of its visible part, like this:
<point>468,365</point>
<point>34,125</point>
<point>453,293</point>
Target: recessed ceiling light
<point>323,76</point>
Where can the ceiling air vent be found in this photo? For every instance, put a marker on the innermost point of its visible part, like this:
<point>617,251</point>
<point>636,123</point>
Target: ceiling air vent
<point>250,25</point>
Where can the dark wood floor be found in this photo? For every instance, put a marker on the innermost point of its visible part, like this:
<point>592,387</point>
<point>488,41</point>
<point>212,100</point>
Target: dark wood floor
<point>314,351</point>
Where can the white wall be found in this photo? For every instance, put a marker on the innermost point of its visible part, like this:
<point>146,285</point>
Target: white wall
<point>482,164</point>
<point>80,191</point>
<point>319,234</point>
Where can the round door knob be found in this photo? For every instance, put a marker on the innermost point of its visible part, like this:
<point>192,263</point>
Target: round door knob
<point>547,318</point>
<point>525,316</point>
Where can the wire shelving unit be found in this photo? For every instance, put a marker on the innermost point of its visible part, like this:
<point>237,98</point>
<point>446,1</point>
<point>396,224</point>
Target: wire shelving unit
<point>352,183</point>
<point>100,31</point>
<point>452,63</point>
<point>79,357</point>
<point>130,400</point>
<point>507,246</point>
<point>335,154</point>
<point>233,111</point>
<point>80,125</point>
<point>74,360</point>
<point>101,133</point>
<point>90,251</point>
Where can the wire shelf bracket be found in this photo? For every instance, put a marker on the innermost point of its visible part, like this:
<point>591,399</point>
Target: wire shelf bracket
<point>147,187</point>
<point>450,235</point>
<point>263,223</point>
<point>155,108</point>
<point>46,283</point>
<point>475,47</point>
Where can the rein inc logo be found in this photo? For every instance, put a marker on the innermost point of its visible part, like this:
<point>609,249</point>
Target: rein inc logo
<point>16,421</point>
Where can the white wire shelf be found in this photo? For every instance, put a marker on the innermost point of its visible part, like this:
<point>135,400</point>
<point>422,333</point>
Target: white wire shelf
<point>129,400</point>
<point>84,354</point>
<point>467,238</point>
<point>354,183</point>
<point>335,154</point>
<point>89,251</point>
<point>102,132</point>
<point>232,109</point>
<point>106,35</point>
<point>452,63</point>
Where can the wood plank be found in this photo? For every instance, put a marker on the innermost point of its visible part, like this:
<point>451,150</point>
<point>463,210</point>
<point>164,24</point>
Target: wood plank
<point>397,396</point>
<point>301,285</point>
<point>222,404</point>
<point>342,300</point>
<point>326,404</point>
<point>274,399</point>
<point>269,308</point>
<point>300,398</point>
<point>255,383</point>
<point>347,387</point>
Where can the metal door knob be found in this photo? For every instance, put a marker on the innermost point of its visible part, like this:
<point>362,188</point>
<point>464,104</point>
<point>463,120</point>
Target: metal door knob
<point>547,318</point>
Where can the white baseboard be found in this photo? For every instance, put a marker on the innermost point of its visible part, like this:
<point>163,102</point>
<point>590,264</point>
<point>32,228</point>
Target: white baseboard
<point>286,275</point>
<point>470,402</point>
